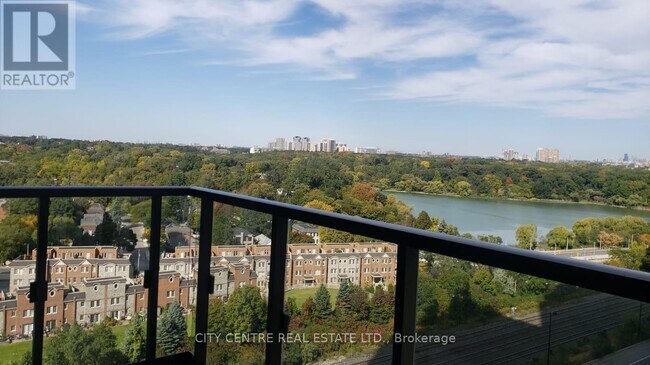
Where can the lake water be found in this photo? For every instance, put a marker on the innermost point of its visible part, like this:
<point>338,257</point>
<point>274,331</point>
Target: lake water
<point>503,217</point>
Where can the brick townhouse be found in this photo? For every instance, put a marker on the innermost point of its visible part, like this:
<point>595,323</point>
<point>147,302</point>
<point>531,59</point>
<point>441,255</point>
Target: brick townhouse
<point>88,284</point>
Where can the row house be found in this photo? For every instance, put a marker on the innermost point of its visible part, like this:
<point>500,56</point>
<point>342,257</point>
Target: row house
<point>184,266</point>
<point>95,299</point>
<point>68,271</point>
<point>310,264</point>
<point>343,266</point>
<point>378,269</point>
<point>171,288</point>
<point>306,270</point>
<point>80,252</point>
<point>17,315</point>
<point>104,297</point>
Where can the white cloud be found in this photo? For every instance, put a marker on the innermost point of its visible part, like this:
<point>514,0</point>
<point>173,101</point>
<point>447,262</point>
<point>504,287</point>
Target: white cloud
<point>571,58</point>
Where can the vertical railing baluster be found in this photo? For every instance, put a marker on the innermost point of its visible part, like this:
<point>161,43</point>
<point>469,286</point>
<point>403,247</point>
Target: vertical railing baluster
<point>405,303</point>
<point>38,288</point>
<point>154,262</point>
<point>275,317</point>
<point>203,283</point>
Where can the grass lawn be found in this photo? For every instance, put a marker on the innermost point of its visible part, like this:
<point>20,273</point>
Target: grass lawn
<point>14,351</point>
<point>301,295</point>
<point>191,324</point>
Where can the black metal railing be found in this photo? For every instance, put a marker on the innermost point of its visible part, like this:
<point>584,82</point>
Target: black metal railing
<point>607,279</point>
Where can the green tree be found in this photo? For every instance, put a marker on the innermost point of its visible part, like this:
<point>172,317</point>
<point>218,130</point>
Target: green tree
<point>343,298</point>
<point>359,304</point>
<point>135,339</point>
<point>463,188</point>
<point>322,305</point>
<point>490,239</point>
<point>484,279</point>
<point>216,316</point>
<point>63,230</point>
<point>561,237</point>
<point>526,236</point>
<point>423,221</point>
<point>172,329</point>
<point>645,262</point>
<point>382,306</point>
<point>106,232</point>
<point>290,307</point>
<point>73,345</point>
<point>246,311</point>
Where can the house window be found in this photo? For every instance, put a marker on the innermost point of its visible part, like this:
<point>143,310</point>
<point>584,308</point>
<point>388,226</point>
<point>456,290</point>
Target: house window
<point>115,300</point>
<point>171,293</point>
<point>13,313</point>
<point>59,270</point>
<point>84,269</point>
<point>13,328</point>
<point>51,310</point>
<point>28,313</point>
<point>141,296</point>
<point>94,303</point>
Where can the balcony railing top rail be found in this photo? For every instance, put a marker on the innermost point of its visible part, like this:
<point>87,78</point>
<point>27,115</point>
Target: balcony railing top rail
<point>608,279</point>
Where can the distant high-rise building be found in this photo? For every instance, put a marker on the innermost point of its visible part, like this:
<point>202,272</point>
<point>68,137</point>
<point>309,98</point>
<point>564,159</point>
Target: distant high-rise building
<point>546,155</point>
<point>510,154</point>
<point>341,147</point>
<point>373,150</point>
<point>626,158</point>
<point>328,145</point>
<point>278,145</point>
<point>296,144</point>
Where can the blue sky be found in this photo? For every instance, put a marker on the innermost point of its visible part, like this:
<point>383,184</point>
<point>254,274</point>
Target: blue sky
<point>470,77</point>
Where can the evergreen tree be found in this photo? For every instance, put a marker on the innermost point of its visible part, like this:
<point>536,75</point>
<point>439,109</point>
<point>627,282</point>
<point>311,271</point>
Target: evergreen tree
<point>343,298</point>
<point>106,232</point>
<point>172,329</point>
<point>135,340</point>
<point>322,305</point>
<point>423,221</point>
<point>290,307</point>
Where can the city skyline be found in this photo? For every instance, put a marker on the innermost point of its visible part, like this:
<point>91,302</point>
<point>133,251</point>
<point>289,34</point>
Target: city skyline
<point>406,76</point>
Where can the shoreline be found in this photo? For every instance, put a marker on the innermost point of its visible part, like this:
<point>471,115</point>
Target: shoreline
<point>533,200</point>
